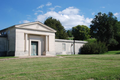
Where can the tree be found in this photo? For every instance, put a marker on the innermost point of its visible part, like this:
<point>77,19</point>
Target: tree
<point>81,32</point>
<point>94,48</point>
<point>69,33</point>
<point>55,24</point>
<point>103,28</point>
<point>117,37</point>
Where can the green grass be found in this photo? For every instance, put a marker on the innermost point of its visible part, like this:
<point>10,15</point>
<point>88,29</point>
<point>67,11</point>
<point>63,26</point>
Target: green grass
<point>82,67</point>
<point>113,52</point>
<point>7,57</point>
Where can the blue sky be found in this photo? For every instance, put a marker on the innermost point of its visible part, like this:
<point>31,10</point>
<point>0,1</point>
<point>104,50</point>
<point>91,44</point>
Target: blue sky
<point>69,12</point>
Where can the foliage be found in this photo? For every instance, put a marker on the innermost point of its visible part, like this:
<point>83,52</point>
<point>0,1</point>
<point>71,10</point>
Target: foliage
<point>94,48</point>
<point>69,33</point>
<point>81,32</point>
<point>91,40</point>
<point>117,37</point>
<point>104,28</point>
<point>82,67</point>
<point>70,38</point>
<point>55,24</point>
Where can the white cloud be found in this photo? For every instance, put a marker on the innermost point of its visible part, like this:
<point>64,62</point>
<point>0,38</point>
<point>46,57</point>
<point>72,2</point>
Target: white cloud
<point>70,10</point>
<point>37,12</point>
<point>116,14</point>
<point>93,13</point>
<point>26,21</point>
<point>103,7</point>
<point>53,8</point>
<point>58,6</point>
<point>48,4</point>
<point>41,6</point>
<point>69,17</point>
<point>20,22</point>
<point>28,16</point>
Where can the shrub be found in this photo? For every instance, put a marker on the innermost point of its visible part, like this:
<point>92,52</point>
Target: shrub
<point>113,44</point>
<point>94,48</point>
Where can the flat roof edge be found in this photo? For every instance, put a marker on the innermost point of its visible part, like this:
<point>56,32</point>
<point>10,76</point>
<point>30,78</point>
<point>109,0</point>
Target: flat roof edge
<point>64,40</point>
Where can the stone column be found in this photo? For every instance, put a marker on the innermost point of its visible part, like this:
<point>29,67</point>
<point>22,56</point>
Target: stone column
<point>46,43</point>
<point>26,42</point>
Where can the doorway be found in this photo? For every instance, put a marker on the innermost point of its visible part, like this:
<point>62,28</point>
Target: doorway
<point>34,48</point>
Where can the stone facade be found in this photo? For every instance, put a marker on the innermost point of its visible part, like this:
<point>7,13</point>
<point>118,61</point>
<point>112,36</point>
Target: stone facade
<point>3,46</point>
<point>35,39</point>
<point>68,47</point>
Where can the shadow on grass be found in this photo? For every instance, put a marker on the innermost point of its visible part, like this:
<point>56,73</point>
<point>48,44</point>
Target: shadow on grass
<point>118,53</point>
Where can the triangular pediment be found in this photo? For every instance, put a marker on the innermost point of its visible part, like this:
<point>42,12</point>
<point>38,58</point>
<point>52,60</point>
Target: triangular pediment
<point>36,26</point>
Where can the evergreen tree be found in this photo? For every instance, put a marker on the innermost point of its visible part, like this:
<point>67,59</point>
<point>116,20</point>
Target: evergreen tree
<point>55,24</point>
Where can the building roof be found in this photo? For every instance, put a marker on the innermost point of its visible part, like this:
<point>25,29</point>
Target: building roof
<point>24,26</point>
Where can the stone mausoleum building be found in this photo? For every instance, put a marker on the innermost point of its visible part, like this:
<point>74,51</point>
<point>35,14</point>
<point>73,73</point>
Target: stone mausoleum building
<point>35,39</point>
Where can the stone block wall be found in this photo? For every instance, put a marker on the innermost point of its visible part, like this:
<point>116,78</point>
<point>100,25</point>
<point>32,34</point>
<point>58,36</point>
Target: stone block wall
<point>68,47</point>
<point>3,46</point>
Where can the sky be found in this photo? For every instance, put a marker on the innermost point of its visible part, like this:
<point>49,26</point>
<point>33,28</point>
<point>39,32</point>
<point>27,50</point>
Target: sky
<point>69,12</point>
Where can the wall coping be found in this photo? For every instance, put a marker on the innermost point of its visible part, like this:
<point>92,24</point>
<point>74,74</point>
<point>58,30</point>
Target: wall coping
<point>69,41</point>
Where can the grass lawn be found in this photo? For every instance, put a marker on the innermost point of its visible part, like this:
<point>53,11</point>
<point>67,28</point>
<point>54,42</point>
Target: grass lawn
<point>113,52</point>
<point>7,57</point>
<point>81,67</point>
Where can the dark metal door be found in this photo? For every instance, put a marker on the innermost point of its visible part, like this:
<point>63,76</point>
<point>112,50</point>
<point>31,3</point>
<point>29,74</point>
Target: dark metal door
<point>34,48</point>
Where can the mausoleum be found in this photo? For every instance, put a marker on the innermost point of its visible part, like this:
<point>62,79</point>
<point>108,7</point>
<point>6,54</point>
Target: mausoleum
<point>35,39</point>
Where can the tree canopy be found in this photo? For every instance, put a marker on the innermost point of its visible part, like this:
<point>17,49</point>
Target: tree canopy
<point>104,28</point>
<point>55,24</point>
<point>69,33</point>
<point>81,32</point>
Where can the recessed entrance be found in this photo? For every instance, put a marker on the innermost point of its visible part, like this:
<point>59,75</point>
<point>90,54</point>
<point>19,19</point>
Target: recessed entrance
<point>34,48</point>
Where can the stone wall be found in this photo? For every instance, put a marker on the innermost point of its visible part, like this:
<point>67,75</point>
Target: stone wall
<point>68,47</point>
<point>3,46</point>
